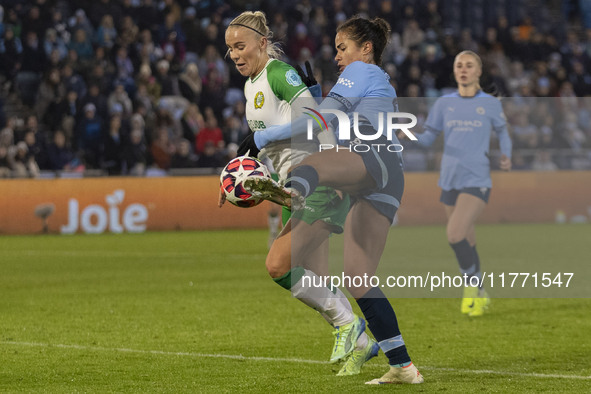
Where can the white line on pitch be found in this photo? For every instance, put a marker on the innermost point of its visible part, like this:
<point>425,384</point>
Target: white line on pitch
<point>291,360</point>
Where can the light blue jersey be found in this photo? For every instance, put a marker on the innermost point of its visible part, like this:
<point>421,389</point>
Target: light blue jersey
<point>467,123</point>
<point>362,88</point>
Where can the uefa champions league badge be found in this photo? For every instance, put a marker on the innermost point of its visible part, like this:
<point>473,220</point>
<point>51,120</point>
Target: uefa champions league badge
<point>292,78</point>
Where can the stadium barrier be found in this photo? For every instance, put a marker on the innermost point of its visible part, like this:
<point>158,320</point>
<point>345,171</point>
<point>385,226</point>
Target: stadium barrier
<point>97,205</point>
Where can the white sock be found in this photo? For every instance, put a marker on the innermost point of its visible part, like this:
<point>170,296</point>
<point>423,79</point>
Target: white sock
<point>335,308</point>
<point>273,222</point>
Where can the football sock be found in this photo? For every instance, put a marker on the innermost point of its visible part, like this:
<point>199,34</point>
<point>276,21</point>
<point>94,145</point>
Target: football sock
<point>363,339</point>
<point>477,264</point>
<point>320,298</point>
<point>466,256</point>
<point>304,179</point>
<point>273,222</point>
<point>383,324</point>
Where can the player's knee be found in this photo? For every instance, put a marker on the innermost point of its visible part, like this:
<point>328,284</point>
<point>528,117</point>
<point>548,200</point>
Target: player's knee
<point>455,235</point>
<point>277,265</point>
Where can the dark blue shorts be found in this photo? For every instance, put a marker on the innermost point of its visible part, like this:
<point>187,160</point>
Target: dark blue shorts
<point>385,167</point>
<point>449,197</point>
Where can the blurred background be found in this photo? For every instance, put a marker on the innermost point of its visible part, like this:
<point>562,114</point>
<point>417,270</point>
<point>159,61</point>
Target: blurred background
<point>118,115</point>
<point>142,87</point>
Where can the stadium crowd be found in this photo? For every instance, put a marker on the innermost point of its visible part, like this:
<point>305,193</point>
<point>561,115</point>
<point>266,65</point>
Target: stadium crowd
<point>131,85</point>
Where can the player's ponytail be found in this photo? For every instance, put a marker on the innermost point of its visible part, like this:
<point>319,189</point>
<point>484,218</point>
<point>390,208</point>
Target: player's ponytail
<point>361,30</point>
<point>257,22</point>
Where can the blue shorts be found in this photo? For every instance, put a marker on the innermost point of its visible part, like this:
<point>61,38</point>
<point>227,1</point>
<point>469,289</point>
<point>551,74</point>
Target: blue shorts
<point>449,197</point>
<point>385,168</point>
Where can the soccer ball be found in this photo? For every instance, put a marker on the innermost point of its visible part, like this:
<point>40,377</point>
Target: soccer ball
<point>235,172</point>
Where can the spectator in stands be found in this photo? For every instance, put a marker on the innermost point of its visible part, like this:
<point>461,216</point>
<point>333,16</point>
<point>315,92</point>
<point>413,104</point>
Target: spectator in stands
<point>81,45</point>
<point>580,79</point>
<point>212,59</point>
<point>23,164</point>
<point>210,156</point>
<point>192,122</point>
<point>162,149</point>
<point>325,66</point>
<point>38,139</point>
<point>120,96</point>
<point>51,92</point>
<point>106,34</point>
<point>135,154</point>
<point>5,171</point>
<point>100,8</point>
<point>11,50</point>
<point>543,162</point>
<point>59,154</point>
<point>190,84</point>
<point>213,91</point>
<point>299,41</point>
<point>128,32</point>
<point>52,43</point>
<point>146,49</point>
<point>211,132</point>
<point>80,21</point>
<point>168,82</point>
<point>412,35</point>
<point>33,54</point>
<point>183,157</point>
<point>112,154</point>
<point>124,69</point>
<point>73,80</point>
<point>89,136</point>
<point>192,30</point>
<point>233,132</point>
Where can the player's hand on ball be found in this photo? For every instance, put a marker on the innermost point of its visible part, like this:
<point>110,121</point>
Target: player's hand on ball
<point>248,147</point>
<point>308,76</point>
<point>505,163</point>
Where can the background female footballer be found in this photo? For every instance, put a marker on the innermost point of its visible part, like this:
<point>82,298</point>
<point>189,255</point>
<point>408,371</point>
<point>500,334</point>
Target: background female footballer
<point>466,119</point>
<point>374,178</point>
<point>271,89</point>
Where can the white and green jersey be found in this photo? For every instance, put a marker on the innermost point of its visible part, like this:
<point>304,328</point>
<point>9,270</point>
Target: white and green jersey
<point>269,98</point>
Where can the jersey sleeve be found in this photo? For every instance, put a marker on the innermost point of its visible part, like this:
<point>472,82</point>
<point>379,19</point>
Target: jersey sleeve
<point>499,124</point>
<point>353,82</point>
<point>285,82</point>
<point>434,120</point>
<point>433,125</point>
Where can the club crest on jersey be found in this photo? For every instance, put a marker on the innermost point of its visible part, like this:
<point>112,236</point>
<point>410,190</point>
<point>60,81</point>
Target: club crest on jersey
<point>480,110</point>
<point>259,100</point>
<point>292,78</point>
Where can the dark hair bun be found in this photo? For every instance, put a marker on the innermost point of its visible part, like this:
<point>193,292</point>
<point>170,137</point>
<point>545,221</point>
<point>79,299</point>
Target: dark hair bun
<point>382,25</point>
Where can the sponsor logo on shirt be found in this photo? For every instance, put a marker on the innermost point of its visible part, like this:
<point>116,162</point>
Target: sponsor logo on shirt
<point>256,125</point>
<point>292,78</point>
<point>346,82</point>
<point>464,125</point>
<point>259,100</point>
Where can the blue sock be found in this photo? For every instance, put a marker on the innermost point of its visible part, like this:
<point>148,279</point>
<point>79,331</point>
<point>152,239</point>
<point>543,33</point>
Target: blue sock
<point>383,325</point>
<point>466,258</point>
<point>304,179</point>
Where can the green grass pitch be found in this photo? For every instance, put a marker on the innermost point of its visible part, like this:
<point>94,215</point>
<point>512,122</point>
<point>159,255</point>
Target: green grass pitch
<point>196,312</point>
